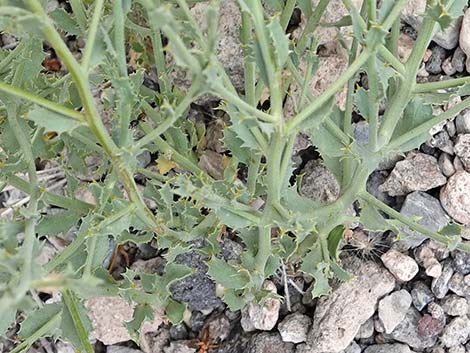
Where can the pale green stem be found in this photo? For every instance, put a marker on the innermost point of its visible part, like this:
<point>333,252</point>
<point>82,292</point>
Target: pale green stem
<point>445,84</point>
<point>69,301</point>
<point>91,37</point>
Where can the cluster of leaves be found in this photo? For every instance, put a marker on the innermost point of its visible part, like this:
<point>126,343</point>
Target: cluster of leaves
<point>46,116</point>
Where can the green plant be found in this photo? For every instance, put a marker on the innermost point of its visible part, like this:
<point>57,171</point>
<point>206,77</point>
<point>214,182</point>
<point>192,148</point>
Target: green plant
<point>191,204</point>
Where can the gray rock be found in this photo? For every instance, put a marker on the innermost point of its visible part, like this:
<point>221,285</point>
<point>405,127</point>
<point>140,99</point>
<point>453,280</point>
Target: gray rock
<point>352,348</point>
<point>421,295</point>
<point>179,347</point>
<point>121,349</point>
<point>219,328</point>
<point>393,308</point>
<point>376,179</point>
<point>338,318</point>
<point>407,332</point>
<point>437,312</point>
<point>412,14</point>
<point>446,165</point>
<point>450,128</point>
<point>456,332</point>
<point>154,342</point>
<point>256,317</point>
<point>400,265</point>
<point>144,159</point>
<point>366,330</point>
<point>361,134</point>
<point>455,197</point>
<point>460,284</point>
<point>442,141</point>
<point>426,257</point>
<point>434,64</point>
<point>294,328</point>
<point>388,348</point>
<point>178,332</point>
<point>462,149</point>
<point>458,165</point>
<point>448,66</point>
<point>454,305</point>
<point>465,33</point>
<point>461,261</point>
<point>430,213</point>
<point>418,172</point>
<point>458,60</point>
<point>269,343</point>
<point>456,349</point>
<point>197,290</point>
<point>319,183</point>
<point>440,285</point>
<point>462,123</point>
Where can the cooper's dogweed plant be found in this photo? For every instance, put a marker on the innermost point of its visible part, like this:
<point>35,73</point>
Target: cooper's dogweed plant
<point>61,119</point>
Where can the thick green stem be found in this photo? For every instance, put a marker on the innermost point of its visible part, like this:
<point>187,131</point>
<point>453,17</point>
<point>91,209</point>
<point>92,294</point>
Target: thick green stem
<point>445,84</point>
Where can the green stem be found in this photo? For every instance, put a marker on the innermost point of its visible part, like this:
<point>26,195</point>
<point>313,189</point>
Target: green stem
<point>408,222</point>
<point>79,12</point>
<point>91,38</point>
<point>388,56</point>
<point>392,41</point>
<point>445,84</point>
<point>4,87</point>
<point>312,23</point>
<point>287,13</point>
<point>425,127</point>
<point>330,91</point>
<point>373,80</point>
<point>69,301</point>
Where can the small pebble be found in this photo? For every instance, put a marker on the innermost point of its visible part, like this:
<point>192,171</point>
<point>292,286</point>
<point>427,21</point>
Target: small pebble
<point>454,305</point>
<point>393,309</point>
<point>440,285</point>
<point>400,265</point>
<point>455,197</point>
<point>462,123</point>
<point>294,328</point>
<point>462,150</point>
<point>421,295</point>
<point>446,164</point>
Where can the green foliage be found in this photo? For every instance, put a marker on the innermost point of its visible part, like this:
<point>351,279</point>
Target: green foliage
<point>101,108</point>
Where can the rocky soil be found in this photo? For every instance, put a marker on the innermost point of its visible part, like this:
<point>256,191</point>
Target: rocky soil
<point>410,295</point>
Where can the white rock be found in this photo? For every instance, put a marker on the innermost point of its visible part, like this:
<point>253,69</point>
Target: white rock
<point>464,40</point>
<point>294,328</point>
<point>393,309</point>
<point>456,332</point>
<point>400,265</point>
<point>462,150</point>
<point>339,316</point>
<point>455,197</point>
<point>455,306</point>
<point>256,317</point>
<point>108,316</point>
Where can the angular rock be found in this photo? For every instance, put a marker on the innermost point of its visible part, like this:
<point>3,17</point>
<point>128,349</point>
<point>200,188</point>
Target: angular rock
<point>269,343</point>
<point>458,60</point>
<point>461,261</point>
<point>407,332</point>
<point>366,330</point>
<point>418,172</point>
<point>256,317</point>
<point>462,123</point>
<point>430,327</point>
<point>456,332</point>
<point>376,179</point>
<point>421,295</point>
<point>437,312</point>
<point>294,328</point>
<point>393,308</point>
<point>352,348</point>
<point>430,213</point>
<point>338,318</point>
<point>197,290</point>
<point>388,348</point>
<point>440,285</point>
<point>455,197</point>
<point>319,183</point>
<point>443,142</point>
<point>400,265</point>
<point>454,305</point>
<point>434,64</point>
<point>108,316</point>
<point>462,150</point>
<point>460,284</point>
